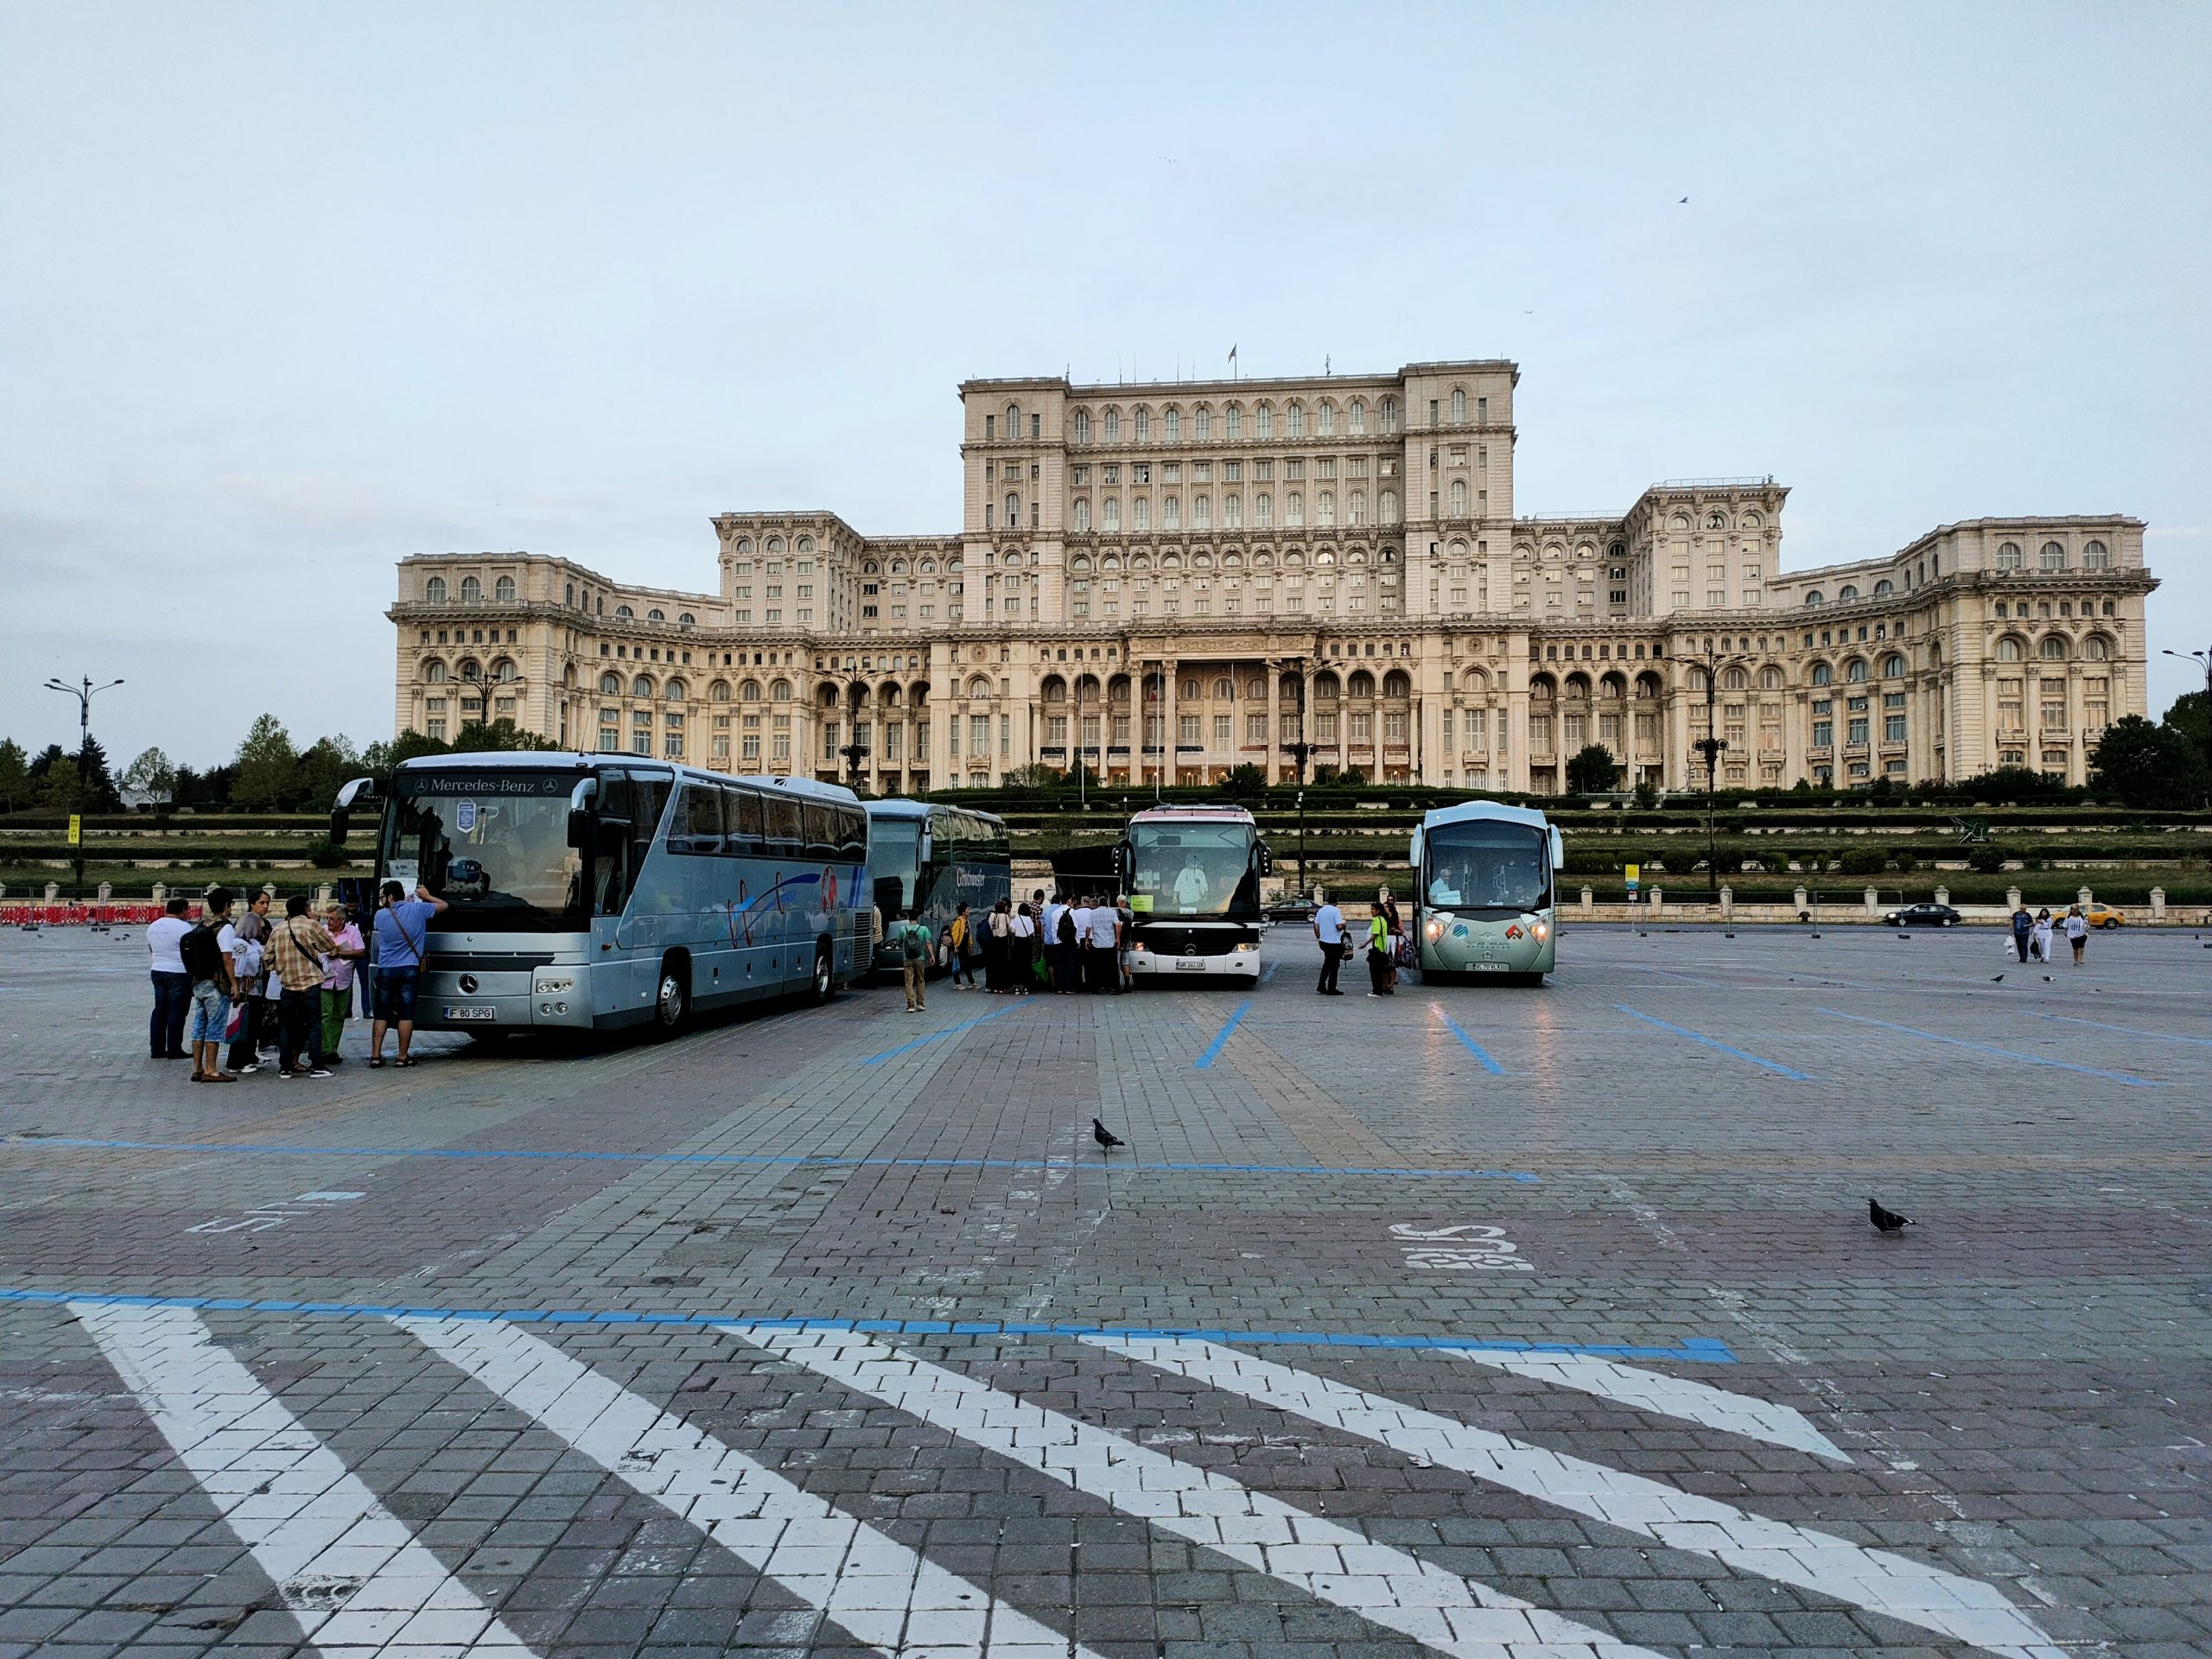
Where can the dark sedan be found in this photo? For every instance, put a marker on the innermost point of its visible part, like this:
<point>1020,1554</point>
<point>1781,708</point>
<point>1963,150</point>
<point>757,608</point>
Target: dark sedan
<point>1923,915</point>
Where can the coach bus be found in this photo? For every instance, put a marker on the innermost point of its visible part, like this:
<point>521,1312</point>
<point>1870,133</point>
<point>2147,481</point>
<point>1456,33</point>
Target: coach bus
<point>930,860</point>
<point>1483,899</point>
<point>589,892</point>
<point>1193,877</point>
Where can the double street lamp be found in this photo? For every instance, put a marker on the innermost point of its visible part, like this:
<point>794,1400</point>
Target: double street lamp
<point>855,751</point>
<point>1711,745</point>
<point>84,692</point>
<point>1300,750</point>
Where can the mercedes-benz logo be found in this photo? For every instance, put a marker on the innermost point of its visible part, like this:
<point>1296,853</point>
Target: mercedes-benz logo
<point>1190,948</point>
<point>468,985</point>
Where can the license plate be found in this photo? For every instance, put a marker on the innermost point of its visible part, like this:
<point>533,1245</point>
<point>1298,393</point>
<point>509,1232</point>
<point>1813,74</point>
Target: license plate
<point>1189,967</point>
<point>1490,967</point>
<point>470,1011</point>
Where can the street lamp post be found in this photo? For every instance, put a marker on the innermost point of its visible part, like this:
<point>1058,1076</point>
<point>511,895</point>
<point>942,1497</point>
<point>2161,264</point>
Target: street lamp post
<point>84,692</point>
<point>853,750</point>
<point>2203,659</point>
<point>1711,746</point>
<point>1299,750</point>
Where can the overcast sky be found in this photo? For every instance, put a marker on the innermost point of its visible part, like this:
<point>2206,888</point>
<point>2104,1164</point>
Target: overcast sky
<point>289,292</point>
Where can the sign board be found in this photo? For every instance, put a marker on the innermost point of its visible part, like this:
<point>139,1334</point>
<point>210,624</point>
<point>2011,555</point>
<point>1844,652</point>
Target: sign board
<point>1634,873</point>
<point>76,830</point>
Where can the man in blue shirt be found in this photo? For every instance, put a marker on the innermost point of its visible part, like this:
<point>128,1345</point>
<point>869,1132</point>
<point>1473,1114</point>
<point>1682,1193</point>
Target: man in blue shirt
<point>403,927</point>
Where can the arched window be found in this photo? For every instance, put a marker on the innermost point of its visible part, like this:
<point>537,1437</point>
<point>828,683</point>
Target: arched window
<point>1389,412</point>
<point>1264,417</point>
<point>1845,593</point>
<point>979,687</point>
<point>1362,683</point>
<point>1823,674</point>
<point>1386,507</point>
<point>2096,648</point>
<point>1716,520</point>
<point>1815,596</point>
<point>1113,426</point>
<point>1202,424</point>
<point>2053,648</point>
<point>1769,678</point>
<point>1325,507</point>
<point>1358,412</point>
<point>624,613</point>
<point>1459,405</point>
<point>1263,509</point>
<point>1735,679</point>
<point>610,685</point>
<point>655,615</point>
<point>1112,510</point>
<point>1458,498</point>
<point>676,691</point>
<point>1294,420</point>
<point>2052,557</point>
<point>2008,557</point>
<point>1356,507</point>
<point>1894,666</point>
<point>472,591</point>
<point>1326,421</point>
<point>718,692</point>
<point>1013,421</point>
<point>687,620</point>
<point>806,543</point>
<point>1293,508</point>
<point>1012,505</point>
<point>504,590</point>
<point>504,671</point>
<point>1884,586</point>
<point>2010,650</point>
<point>749,692</point>
<point>434,672</point>
<point>1142,422</point>
<point>1233,421</point>
<point>1397,683</point>
<point>1856,673</point>
<point>434,590</point>
<point>470,670</point>
<point>1080,519</point>
<point>780,692</point>
<point>1232,511</point>
<point>1083,426</point>
<point>2096,556</point>
<point>641,687</point>
<point>1171,425</point>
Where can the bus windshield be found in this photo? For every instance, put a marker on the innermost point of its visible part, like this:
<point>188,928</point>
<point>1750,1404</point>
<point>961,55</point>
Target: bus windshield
<point>1486,866</point>
<point>1203,871</point>
<point>894,854</point>
<point>492,844</point>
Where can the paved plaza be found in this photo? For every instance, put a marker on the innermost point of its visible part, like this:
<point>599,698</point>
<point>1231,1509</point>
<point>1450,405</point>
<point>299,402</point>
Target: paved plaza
<point>1484,1321</point>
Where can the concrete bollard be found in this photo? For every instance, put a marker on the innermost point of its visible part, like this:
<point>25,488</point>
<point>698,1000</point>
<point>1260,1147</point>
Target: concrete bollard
<point>106,891</point>
<point>161,894</point>
<point>1942,895</point>
<point>1657,902</point>
<point>53,892</point>
<point>321,897</point>
<point>1873,902</point>
<point>1800,901</point>
<point>1589,901</point>
<point>1728,904</point>
<point>2012,897</point>
<point>2082,898</point>
<point>2157,904</point>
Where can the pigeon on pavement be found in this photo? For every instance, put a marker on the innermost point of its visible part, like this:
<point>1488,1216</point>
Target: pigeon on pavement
<point>1887,1221</point>
<point>1106,1138</point>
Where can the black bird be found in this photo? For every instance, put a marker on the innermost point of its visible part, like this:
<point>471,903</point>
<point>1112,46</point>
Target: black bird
<point>1106,1138</point>
<point>1887,1221</point>
<point>2046,979</point>
<point>1997,978</point>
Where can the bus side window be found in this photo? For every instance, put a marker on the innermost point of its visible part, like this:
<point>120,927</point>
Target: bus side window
<point>785,834</point>
<point>820,822</point>
<point>612,866</point>
<point>852,837</point>
<point>698,826</point>
<point>741,822</point>
<point>649,794</point>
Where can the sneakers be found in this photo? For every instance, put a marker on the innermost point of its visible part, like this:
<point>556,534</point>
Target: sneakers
<point>317,1072</point>
<point>248,1068</point>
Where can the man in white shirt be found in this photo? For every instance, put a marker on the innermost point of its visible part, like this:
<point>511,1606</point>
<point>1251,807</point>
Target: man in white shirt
<point>1079,914</point>
<point>1049,912</point>
<point>172,985</point>
<point>1329,931</point>
<point>1103,972</point>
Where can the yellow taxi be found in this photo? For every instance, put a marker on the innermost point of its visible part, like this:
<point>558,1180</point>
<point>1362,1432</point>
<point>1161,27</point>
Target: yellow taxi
<point>2103,915</point>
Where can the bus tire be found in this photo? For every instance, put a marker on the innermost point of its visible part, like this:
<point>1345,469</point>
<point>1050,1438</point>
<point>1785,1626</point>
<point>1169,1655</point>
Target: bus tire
<point>672,996</point>
<point>824,984</point>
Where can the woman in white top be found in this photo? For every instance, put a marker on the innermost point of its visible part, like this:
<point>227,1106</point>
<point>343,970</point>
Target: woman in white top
<point>2078,930</point>
<point>1022,952</point>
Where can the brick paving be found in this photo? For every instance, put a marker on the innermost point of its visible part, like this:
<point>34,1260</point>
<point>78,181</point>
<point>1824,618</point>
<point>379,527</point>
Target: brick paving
<point>698,1454</point>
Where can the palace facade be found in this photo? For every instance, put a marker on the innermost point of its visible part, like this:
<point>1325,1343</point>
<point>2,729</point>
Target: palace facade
<point>1173,580</point>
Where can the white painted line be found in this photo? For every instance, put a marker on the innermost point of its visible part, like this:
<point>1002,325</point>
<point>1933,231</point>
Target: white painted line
<point>1666,1396</point>
<point>1964,1609</point>
<point>1327,1560</point>
<point>348,1569</point>
<point>879,1590</point>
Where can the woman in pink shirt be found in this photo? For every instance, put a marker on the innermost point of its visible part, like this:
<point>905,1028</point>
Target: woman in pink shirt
<point>338,978</point>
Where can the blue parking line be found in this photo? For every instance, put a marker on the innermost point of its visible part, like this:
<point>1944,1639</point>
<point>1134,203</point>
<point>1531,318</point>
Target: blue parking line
<point>790,1160</point>
<point>1701,1351</point>
<point>1713,1042</point>
<point>1268,972</point>
<point>950,1031</point>
<point>1204,1062</point>
<point>1469,1043</point>
<point>2131,1031</point>
<point>2005,1053</point>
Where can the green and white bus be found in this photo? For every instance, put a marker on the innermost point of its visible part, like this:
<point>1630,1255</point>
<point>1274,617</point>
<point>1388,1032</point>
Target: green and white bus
<point>1484,898</point>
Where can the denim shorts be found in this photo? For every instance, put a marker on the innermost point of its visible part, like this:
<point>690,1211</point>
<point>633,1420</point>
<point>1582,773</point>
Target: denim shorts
<point>395,994</point>
<point>211,1012</point>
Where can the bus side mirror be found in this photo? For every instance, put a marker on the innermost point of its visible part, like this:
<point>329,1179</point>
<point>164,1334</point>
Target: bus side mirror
<point>580,800</point>
<point>358,792</point>
<point>1124,863</point>
<point>1558,850</point>
<point>1266,859</point>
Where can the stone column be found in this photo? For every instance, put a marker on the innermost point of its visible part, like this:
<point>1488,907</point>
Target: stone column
<point>1169,668</point>
<point>1274,721</point>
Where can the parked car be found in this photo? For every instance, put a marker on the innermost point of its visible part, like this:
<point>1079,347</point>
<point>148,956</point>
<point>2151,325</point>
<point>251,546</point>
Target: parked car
<point>1292,910</point>
<point>1925,914</point>
<point>2100,915</point>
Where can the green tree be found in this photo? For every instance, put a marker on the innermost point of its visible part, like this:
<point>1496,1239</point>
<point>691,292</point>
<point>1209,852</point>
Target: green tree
<point>2148,765</point>
<point>379,757</point>
<point>1592,770</point>
<point>2191,715</point>
<point>326,763</point>
<point>501,735</point>
<point>1247,782</point>
<point>15,787</point>
<point>153,774</point>
<point>268,766</point>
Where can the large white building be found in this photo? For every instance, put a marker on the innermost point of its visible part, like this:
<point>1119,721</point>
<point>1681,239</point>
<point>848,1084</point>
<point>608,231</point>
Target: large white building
<point>1173,580</point>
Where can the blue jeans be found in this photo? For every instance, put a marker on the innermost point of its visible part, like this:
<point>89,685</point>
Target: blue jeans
<point>172,1001</point>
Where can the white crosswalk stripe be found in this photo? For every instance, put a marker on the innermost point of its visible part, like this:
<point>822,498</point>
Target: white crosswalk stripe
<point>348,1569</point>
<point>1325,1559</point>
<point>1667,1396</point>
<point>879,1590</point>
<point>1877,1581</point>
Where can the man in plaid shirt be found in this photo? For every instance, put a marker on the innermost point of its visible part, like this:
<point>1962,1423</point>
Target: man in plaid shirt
<point>298,952</point>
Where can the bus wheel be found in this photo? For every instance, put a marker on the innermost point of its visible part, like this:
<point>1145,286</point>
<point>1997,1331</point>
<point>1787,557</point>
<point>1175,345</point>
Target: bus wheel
<point>672,999</point>
<point>824,983</point>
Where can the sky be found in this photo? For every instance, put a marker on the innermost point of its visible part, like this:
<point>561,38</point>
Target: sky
<point>287,293</point>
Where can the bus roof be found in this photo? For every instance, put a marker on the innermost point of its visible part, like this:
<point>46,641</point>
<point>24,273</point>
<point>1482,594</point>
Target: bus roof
<point>1481,812</point>
<point>570,760</point>
<point>1192,815</point>
<point>900,807</point>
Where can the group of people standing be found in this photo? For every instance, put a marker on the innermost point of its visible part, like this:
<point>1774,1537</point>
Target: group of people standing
<point>1385,945</point>
<point>262,983</point>
<point>2032,935</point>
<point>1022,947</point>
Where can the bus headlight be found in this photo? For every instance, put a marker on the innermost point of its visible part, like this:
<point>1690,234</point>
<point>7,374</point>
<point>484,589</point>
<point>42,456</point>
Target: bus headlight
<point>1136,946</point>
<point>555,987</point>
<point>1246,944</point>
<point>1542,929</point>
<point>1435,930</point>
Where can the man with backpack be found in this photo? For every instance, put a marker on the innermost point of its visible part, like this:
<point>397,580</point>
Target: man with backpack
<point>914,953</point>
<point>205,953</point>
<point>1067,978</point>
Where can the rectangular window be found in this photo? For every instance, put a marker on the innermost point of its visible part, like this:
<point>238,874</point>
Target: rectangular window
<point>1324,729</point>
<point>979,734</point>
<point>1893,728</point>
<point>1857,732</point>
<point>1187,730</point>
<point>1223,731</point>
<point>1823,734</point>
<point>1394,727</point>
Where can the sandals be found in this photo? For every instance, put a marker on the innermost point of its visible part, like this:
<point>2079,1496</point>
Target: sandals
<point>406,1060</point>
<point>376,1062</point>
